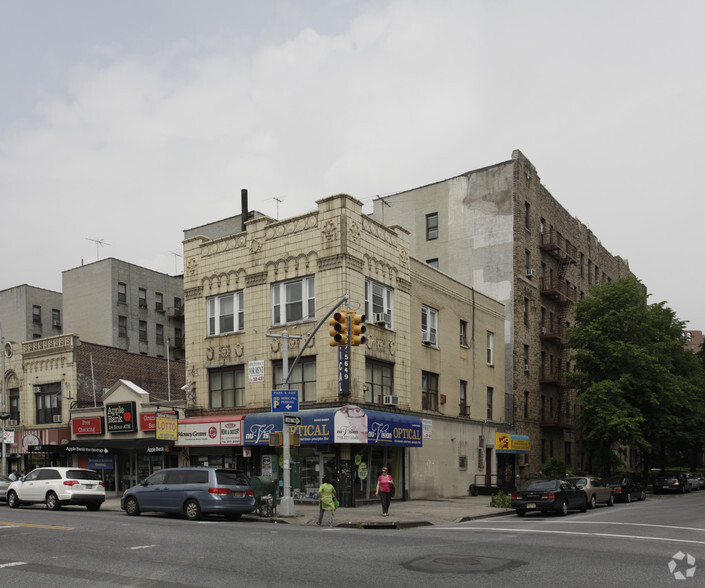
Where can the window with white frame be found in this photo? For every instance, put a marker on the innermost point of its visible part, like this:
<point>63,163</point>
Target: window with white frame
<point>490,348</point>
<point>379,302</point>
<point>294,300</point>
<point>429,324</point>
<point>226,313</point>
<point>464,333</point>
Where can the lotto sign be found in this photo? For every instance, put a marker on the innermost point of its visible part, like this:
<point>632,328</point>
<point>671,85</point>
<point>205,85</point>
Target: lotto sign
<point>167,426</point>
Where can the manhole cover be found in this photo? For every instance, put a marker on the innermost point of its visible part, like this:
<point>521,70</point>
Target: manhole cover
<point>461,564</point>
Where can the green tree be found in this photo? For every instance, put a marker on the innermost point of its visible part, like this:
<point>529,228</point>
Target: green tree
<point>637,384</point>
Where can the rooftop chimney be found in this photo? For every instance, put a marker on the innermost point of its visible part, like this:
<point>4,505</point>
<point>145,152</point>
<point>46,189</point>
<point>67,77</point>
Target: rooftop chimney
<point>243,203</point>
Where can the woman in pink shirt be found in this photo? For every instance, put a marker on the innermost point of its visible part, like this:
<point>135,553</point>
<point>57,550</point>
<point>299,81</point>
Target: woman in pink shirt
<point>385,489</point>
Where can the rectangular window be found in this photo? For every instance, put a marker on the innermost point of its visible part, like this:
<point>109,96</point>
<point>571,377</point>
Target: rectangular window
<point>47,400</point>
<point>15,405</point>
<point>463,398</point>
<point>526,404</point>
<point>526,312</point>
<point>160,335</point>
<point>527,210</point>
<point>293,301</point>
<point>490,348</point>
<point>143,331</point>
<point>122,326</point>
<point>429,325</point>
<point>227,387</point>
<point>178,338</point>
<point>433,262</point>
<point>158,301</point>
<point>429,391</point>
<point>37,315</point>
<point>142,298</point>
<point>226,313</point>
<point>379,302</point>
<point>303,378</point>
<point>56,318</point>
<point>490,394</point>
<point>379,381</point>
<point>432,226</point>
<point>122,293</point>
<point>464,333</point>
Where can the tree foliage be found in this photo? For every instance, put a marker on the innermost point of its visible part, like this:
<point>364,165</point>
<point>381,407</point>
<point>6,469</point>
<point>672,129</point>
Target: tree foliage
<point>637,384</point>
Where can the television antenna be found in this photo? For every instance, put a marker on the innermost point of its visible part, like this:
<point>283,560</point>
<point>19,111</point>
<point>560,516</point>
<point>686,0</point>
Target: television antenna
<point>98,244</point>
<point>176,256</point>
<point>278,202</point>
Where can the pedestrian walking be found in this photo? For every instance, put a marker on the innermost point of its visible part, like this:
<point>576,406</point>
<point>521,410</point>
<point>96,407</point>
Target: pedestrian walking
<point>385,490</point>
<point>326,502</point>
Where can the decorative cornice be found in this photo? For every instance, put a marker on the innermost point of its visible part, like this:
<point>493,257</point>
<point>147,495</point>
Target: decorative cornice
<point>291,226</point>
<point>49,346</point>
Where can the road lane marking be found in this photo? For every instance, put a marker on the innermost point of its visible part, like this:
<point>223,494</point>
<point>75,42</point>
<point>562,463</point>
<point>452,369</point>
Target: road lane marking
<point>13,563</point>
<point>5,523</point>
<point>634,525</point>
<point>143,546</point>
<point>576,533</point>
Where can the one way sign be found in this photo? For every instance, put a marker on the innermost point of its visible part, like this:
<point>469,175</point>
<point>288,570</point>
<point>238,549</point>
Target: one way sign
<point>285,400</point>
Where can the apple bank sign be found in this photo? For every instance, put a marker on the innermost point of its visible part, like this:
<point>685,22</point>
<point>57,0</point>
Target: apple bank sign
<point>121,417</point>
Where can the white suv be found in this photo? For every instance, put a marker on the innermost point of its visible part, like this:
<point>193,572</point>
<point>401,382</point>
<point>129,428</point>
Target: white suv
<point>57,487</point>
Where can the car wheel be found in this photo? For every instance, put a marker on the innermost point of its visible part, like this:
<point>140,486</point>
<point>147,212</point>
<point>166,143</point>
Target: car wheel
<point>12,500</point>
<point>521,512</point>
<point>563,508</point>
<point>642,496</point>
<point>52,501</point>
<point>192,510</point>
<point>593,502</point>
<point>93,507</point>
<point>610,502</point>
<point>235,516</point>
<point>132,507</point>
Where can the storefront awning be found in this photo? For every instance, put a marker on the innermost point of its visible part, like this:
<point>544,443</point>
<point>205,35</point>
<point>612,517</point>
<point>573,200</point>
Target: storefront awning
<point>506,443</point>
<point>345,424</point>
<point>118,446</point>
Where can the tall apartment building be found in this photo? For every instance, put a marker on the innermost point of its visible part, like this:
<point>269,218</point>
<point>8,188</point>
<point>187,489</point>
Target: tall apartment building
<point>119,304</point>
<point>28,312</point>
<point>499,230</point>
<point>423,395</point>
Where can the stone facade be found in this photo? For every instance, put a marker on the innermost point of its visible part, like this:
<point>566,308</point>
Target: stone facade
<point>519,245</point>
<point>342,250</point>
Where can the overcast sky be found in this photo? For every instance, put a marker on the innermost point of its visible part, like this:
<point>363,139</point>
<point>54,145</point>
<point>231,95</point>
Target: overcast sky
<point>130,121</point>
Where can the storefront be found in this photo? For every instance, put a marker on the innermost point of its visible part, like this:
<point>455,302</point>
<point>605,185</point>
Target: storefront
<point>33,448</point>
<point>510,449</point>
<point>213,441</point>
<point>348,444</point>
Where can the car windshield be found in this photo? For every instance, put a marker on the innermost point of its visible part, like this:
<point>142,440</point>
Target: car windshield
<point>615,480</point>
<point>82,475</point>
<point>231,478</point>
<point>579,482</point>
<point>542,485</point>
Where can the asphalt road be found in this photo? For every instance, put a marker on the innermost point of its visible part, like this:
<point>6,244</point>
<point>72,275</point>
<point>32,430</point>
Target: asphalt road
<point>626,545</point>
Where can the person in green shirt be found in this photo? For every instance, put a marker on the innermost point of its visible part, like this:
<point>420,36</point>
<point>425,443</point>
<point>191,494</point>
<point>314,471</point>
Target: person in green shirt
<point>326,496</point>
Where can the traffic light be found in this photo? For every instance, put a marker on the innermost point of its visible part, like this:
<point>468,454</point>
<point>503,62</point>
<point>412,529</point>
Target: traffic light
<point>275,439</point>
<point>357,329</point>
<point>339,329</point>
<point>294,439</point>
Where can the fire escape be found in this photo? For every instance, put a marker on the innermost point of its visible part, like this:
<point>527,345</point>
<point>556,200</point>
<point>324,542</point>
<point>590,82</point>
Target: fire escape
<point>555,287</point>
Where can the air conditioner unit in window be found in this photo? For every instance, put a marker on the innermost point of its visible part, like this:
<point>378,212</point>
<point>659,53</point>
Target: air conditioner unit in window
<point>37,389</point>
<point>57,418</point>
<point>543,330</point>
<point>12,423</point>
<point>526,367</point>
<point>379,318</point>
<point>530,273</point>
<point>56,323</point>
<point>391,400</point>
<point>426,340</point>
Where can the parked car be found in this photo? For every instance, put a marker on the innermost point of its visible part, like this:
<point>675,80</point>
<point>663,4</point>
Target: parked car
<point>626,489</point>
<point>671,483</point>
<point>701,480</point>
<point>549,495</point>
<point>57,487</point>
<point>692,480</point>
<point>192,491</point>
<point>596,490</point>
<point>4,484</point>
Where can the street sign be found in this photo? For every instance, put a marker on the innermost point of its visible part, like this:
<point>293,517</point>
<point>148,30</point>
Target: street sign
<point>285,400</point>
<point>292,420</point>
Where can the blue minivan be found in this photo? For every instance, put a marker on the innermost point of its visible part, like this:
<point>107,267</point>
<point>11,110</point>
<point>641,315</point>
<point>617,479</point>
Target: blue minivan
<point>192,491</point>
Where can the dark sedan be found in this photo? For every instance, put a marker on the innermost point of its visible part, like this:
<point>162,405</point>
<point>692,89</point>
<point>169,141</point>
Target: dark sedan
<point>671,483</point>
<point>626,489</point>
<point>549,495</point>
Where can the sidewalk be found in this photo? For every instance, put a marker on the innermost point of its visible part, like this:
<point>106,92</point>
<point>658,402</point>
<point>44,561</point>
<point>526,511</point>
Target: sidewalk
<point>402,514</point>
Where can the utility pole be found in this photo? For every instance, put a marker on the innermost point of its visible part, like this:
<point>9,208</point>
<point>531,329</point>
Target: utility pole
<point>3,413</point>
